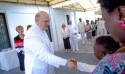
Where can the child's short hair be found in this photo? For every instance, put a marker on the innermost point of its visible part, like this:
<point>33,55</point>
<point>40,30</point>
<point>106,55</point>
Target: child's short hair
<point>108,43</point>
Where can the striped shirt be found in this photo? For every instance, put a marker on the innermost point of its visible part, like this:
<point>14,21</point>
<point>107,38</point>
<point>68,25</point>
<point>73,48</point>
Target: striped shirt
<point>18,42</point>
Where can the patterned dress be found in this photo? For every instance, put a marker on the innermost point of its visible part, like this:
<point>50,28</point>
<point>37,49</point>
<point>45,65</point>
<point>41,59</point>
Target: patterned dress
<point>111,64</point>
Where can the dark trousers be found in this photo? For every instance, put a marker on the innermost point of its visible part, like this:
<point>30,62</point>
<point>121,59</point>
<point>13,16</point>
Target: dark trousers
<point>66,43</point>
<point>93,33</point>
<point>21,61</point>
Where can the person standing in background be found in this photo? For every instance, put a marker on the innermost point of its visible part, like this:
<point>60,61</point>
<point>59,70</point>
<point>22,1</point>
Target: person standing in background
<point>88,31</point>
<point>101,28</point>
<point>104,31</point>
<point>65,38</point>
<point>29,26</point>
<point>94,26</point>
<point>73,33</point>
<point>18,42</point>
<point>81,27</point>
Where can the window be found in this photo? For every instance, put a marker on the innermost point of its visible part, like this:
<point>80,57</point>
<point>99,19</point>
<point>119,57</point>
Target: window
<point>67,18</point>
<point>4,36</point>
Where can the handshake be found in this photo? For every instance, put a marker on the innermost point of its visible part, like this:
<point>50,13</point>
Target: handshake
<point>71,63</point>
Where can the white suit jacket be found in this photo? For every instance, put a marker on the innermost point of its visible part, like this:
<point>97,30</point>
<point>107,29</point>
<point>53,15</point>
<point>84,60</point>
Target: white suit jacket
<point>73,29</point>
<point>101,25</point>
<point>39,54</point>
<point>81,26</point>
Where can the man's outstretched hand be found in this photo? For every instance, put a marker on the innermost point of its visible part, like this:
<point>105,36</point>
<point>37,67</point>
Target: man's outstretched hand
<point>71,63</point>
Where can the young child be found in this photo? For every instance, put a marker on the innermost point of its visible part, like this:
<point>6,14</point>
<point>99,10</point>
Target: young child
<point>103,45</point>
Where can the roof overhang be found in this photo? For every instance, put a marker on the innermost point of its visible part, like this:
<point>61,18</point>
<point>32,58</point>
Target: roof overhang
<point>78,5</point>
<point>34,2</point>
<point>75,5</point>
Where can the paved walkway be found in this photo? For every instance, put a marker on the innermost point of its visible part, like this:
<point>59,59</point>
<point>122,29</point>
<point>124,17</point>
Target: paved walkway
<point>86,48</point>
<point>85,54</point>
<point>81,57</point>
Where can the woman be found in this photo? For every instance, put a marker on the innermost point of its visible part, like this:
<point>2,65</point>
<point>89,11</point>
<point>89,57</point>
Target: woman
<point>88,31</point>
<point>113,11</point>
<point>18,42</point>
<point>96,28</point>
<point>93,29</point>
<point>65,38</point>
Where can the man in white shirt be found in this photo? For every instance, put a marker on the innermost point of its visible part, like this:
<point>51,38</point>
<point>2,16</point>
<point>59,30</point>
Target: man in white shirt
<point>103,27</point>
<point>101,30</point>
<point>81,27</point>
<point>73,33</point>
<point>39,54</point>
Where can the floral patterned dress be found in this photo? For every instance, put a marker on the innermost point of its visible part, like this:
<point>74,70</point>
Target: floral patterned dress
<point>111,64</point>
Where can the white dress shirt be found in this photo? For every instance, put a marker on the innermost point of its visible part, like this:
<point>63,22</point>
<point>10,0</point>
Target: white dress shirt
<point>85,67</point>
<point>81,27</point>
<point>101,25</point>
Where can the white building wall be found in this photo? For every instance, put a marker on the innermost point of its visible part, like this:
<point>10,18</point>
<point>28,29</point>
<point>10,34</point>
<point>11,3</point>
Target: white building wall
<point>19,15</point>
<point>80,15</point>
<point>25,14</point>
<point>59,17</point>
<point>88,15</point>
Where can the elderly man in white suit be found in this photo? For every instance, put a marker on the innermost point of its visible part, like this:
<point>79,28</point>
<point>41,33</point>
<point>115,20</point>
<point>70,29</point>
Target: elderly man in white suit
<point>101,30</point>
<point>73,33</point>
<point>81,27</point>
<point>39,54</point>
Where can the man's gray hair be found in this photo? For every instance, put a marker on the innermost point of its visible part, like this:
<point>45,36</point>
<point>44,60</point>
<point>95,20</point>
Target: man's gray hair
<point>37,16</point>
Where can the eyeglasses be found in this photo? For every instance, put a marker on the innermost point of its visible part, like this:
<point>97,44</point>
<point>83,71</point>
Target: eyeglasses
<point>45,21</point>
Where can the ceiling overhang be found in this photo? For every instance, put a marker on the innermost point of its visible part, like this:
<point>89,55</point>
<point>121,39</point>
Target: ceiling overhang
<point>76,5</point>
<point>34,2</point>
